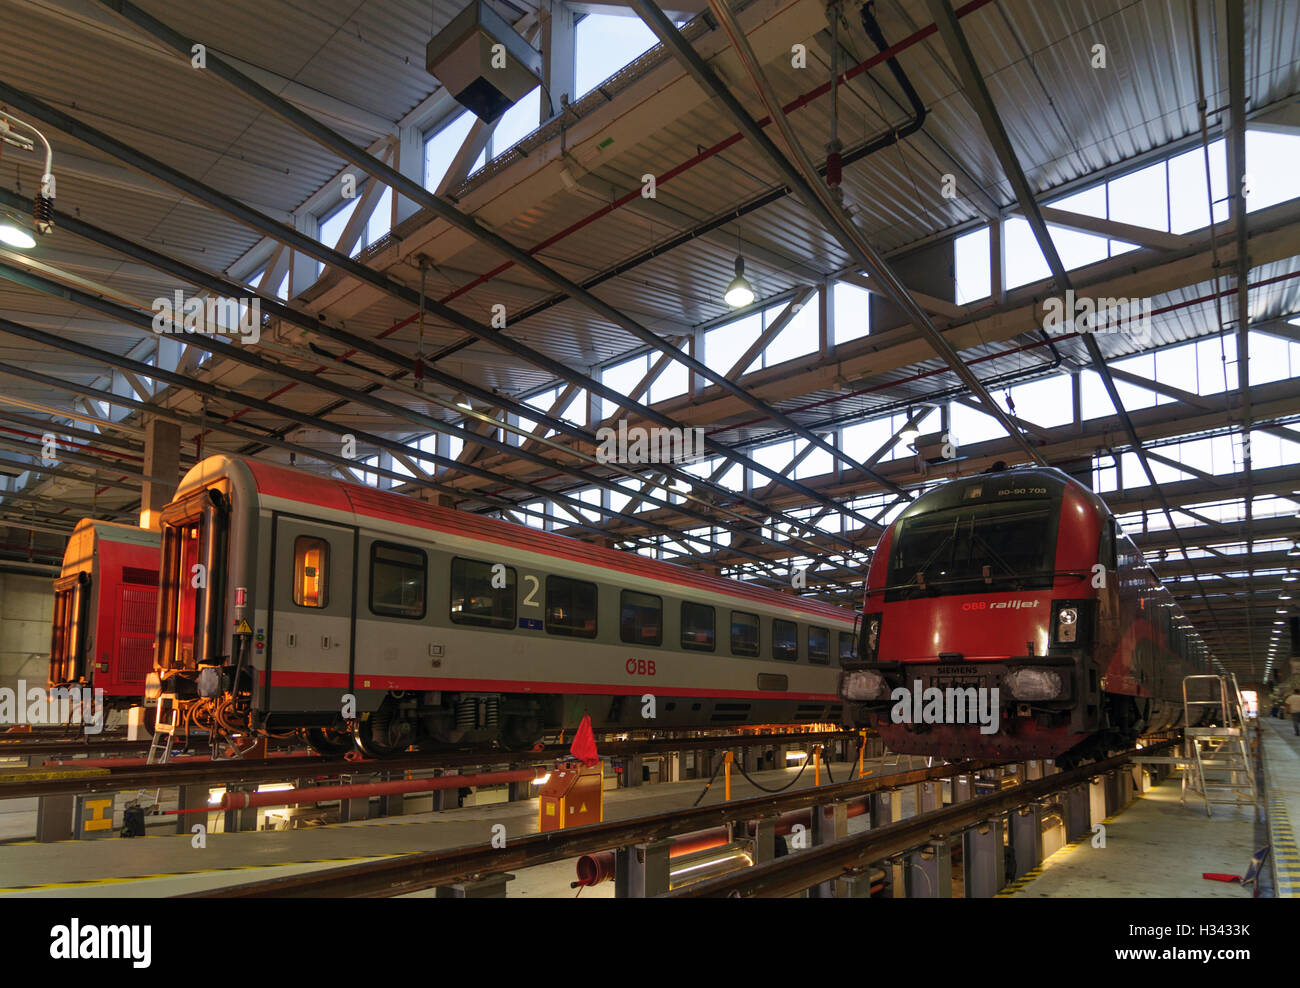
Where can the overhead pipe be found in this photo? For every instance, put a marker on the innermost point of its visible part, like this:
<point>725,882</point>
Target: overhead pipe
<point>471,226</point>
<point>816,198</point>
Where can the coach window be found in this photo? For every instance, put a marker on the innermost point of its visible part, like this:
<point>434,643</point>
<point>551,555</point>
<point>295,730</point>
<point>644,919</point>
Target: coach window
<point>397,576</point>
<point>482,593</point>
<point>570,607</point>
<point>744,633</point>
<point>311,559</point>
<point>819,645</point>
<point>641,618</point>
<point>785,640</point>
<point>697,627</point>
<point>847,651</point>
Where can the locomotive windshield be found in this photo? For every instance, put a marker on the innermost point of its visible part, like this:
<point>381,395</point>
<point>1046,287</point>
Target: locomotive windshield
<point>994,546</point>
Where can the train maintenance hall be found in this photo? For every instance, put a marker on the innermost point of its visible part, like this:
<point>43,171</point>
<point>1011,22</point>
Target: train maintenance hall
<point>625,449</point>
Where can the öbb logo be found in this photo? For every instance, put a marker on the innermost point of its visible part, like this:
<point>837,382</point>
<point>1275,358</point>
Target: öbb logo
<point>640,667</point>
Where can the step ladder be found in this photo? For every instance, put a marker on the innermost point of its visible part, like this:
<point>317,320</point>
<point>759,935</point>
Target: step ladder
<point>1216,758</point>
<point>166,720</point>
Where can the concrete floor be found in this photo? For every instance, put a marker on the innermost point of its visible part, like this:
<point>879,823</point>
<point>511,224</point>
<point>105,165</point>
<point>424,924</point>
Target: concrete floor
<point>1155,848</point>
<point>160,865</point>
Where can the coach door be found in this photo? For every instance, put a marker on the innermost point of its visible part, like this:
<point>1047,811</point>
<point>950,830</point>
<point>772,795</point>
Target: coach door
<point>68,640</point>
<point>311,628</point>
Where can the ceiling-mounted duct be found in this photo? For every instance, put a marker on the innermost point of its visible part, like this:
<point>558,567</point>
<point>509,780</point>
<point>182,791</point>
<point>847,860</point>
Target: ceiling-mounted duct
<point>483,62</point>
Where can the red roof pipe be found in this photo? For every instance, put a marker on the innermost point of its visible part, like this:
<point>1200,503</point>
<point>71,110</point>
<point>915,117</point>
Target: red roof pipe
<point>320,794</point>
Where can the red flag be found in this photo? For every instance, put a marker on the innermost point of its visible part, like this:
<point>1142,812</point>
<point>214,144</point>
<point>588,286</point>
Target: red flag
<point>584,743</point>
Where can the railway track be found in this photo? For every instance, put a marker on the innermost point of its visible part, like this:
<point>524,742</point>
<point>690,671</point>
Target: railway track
<point>415,872</point>
<point>780,877</point>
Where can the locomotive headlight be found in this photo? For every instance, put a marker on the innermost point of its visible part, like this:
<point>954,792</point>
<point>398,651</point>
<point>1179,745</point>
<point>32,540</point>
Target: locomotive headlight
<point>861,685</point>
<point>1067,624</point>
<point>1034,684</point>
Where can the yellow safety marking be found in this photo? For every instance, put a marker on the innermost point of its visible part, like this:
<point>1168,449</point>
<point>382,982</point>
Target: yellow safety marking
<point>40,772</point>
<point>91,882</point>
<point>1286,856</point>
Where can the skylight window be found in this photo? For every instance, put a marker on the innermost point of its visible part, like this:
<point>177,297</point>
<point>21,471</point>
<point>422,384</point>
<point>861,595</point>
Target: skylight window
<point>603,44</point>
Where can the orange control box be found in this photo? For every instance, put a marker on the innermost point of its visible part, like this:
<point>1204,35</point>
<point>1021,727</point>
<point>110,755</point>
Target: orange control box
<point>573,796</point>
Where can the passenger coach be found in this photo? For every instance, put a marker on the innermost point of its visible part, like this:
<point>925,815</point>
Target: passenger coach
<point>283,593</point>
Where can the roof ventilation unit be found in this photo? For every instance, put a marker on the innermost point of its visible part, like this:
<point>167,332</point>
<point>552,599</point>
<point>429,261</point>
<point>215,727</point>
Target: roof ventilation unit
<point>483,62</point>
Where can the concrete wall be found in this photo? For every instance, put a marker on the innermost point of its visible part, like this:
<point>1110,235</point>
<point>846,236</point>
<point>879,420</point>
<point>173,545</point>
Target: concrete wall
<point>26,610</point>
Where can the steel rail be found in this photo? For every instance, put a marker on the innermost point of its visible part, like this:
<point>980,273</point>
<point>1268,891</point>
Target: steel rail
<point>413,872</point>
<point>794,873</point>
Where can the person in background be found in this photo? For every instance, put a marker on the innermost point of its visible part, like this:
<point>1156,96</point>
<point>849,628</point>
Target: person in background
<point>1293,708</point>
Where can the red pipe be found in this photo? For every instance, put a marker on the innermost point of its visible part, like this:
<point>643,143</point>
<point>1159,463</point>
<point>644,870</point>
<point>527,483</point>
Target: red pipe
<point>319,794</point>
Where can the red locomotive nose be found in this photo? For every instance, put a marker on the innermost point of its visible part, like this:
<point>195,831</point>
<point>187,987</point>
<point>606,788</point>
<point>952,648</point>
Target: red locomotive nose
<point>1016,582</point>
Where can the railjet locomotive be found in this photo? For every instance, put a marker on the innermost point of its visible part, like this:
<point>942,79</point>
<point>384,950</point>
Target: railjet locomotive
<point>105,603</point>
<point>1017,581</point>
<point>291,602</point>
